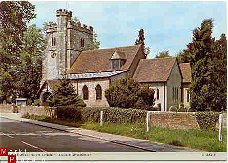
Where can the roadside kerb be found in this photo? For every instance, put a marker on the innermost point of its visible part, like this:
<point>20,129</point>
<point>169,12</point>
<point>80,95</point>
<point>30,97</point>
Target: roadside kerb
<point>160,147</point>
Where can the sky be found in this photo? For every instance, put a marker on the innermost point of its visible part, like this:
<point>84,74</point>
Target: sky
<point>167,25</point>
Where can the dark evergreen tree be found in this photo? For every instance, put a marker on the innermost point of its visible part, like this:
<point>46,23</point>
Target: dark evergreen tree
<point>65,95</point>
<point>141,40</point>
<point>208,87</point>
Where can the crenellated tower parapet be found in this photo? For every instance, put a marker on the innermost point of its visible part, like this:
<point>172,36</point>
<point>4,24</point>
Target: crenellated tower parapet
<point>64,12</point>
<point>51,27</point>
<point>80,27</point>
<point>66,40</point>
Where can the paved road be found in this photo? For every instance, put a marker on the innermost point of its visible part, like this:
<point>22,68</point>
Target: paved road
<point>33,138</point>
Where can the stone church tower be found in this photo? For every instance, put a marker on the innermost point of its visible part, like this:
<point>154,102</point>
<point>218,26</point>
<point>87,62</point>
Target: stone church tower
<point>66,40</point>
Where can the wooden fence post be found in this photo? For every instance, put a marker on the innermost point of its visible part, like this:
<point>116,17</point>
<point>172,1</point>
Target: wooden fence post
<point>148,121</point>
<point>220,127</point>
<point>101,119</point>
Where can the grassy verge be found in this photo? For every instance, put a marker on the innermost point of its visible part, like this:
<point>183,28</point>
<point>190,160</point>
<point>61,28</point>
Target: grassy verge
<point>206,140</point>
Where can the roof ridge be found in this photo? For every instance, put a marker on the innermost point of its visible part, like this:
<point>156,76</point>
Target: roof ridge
<point>159,58</point>
<point>110,48</point>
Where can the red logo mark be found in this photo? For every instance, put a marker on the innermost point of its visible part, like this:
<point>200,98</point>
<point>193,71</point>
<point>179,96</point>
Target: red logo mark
<point>12,159</point>
<point>3,151</point>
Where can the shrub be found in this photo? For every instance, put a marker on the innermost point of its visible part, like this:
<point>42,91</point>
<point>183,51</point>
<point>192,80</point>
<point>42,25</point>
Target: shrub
<point>117,115</point>
<point>207,120</point>
<point>112,115</point>
<point>9,100</point>
<point>68,112</point>
<point>29,102</point>
<point>36,102</point>
<point>126,93</point>
<point>181,108</point>
<point>173,109</point>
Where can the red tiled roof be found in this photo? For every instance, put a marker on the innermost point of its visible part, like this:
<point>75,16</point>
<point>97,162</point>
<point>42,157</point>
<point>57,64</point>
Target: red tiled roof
<point>99,60</point>
<point>185,69</point>
<point>154,70</point>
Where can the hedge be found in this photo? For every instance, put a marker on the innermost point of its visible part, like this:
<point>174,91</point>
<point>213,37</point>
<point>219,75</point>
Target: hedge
<point>207,120</point>
<point>112,115</point>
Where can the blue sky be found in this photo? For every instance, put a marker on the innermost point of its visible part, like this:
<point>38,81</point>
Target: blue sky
<point>167,25</point>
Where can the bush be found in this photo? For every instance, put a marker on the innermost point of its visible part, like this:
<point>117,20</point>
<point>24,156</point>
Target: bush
<point>9,100</point>
<point>36,102</point>
<point>207,120</point>
<point>68,112</point>
<point>172,109</point>
<point>112,115</point>
<point>29,102</point>
<point>181,108</point>
<point>126,93</point>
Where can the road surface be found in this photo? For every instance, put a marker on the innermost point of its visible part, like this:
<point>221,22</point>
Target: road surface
<point>23,136</point>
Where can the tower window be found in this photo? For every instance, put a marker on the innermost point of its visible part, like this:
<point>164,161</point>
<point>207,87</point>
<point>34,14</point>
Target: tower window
<point>98,92</point>
<point>53,41</point>
<point>85,92</point>
<point>82,42</point>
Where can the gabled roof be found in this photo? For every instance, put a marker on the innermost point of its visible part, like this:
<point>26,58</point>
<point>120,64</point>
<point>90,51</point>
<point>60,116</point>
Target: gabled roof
<point>154,70</point>
<point>99,60</point>
<point>118,55</point>
<point>185,69</point>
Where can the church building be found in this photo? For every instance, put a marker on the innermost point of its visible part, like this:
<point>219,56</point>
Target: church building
<point>70,51</point>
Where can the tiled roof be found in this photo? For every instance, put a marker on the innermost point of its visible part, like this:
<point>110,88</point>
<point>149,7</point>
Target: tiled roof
<point>94,75</point>
<point>99,60</point>
<point>154,70</point>
<point>186,72</point>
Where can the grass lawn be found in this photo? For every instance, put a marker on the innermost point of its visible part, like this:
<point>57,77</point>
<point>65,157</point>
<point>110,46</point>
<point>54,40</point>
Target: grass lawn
<point>206,140</point>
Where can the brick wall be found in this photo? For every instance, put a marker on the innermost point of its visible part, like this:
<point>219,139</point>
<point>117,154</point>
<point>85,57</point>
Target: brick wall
<point>180,120</point>
<point>6,108</point>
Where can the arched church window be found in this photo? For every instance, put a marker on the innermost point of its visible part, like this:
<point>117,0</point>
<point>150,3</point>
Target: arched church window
<point>85,92</point>
<point>98,92</point>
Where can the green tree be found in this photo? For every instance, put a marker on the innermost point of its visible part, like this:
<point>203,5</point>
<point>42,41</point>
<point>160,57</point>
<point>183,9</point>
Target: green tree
<point>126,93</point>
<point>208,87</point>
<point>14,15</point>
<point>184,56</point>
<point>31,56</point>
<point>96,43</point>
<point>163,54</point>
<point>65,95</point>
